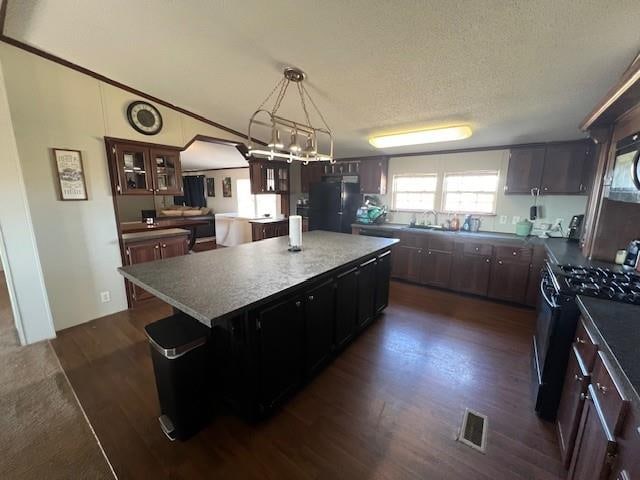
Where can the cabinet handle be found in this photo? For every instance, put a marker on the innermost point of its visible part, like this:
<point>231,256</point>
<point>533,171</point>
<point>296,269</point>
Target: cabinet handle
<point>499,262</point>
<point>578,378</point>
<point>581,187</point>
<point>311,298</point>
<point>585,396</point>
<point>151,189</point>
<point>579,340</point>
<point>602,388</point>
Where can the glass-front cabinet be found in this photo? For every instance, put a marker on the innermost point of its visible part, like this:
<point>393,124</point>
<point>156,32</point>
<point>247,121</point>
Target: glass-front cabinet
<point>143,169</point>
<point>269,176</point>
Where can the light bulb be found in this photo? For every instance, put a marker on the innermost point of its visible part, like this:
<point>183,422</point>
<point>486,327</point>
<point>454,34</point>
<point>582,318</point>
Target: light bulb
<point>293,146</point>
<point>275,139</point>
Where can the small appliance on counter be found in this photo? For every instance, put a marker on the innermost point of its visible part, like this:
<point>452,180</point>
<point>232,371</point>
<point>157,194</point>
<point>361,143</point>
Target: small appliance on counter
<point>633,254</point>
<point>523,228</point>
<point>370,213</point>
<point>625,184</point>
<point>470,224</point>
<point>575,228</point>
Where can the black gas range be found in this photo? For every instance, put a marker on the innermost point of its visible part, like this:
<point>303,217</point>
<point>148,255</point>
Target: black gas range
<point>599,282</point>
<point>557,318</point>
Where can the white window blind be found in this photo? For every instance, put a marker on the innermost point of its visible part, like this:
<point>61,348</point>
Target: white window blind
<point>414,192</point>
<point>473,192</point>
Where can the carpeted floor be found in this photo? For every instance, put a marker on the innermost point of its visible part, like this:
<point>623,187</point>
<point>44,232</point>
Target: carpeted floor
<point>43,431</point>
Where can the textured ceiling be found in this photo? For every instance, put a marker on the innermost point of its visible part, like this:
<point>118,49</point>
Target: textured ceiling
<point>517,71</point>
<point>206,155</point>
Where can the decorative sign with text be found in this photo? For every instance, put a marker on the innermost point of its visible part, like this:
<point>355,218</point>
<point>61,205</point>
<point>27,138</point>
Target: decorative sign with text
<point>70,174</point>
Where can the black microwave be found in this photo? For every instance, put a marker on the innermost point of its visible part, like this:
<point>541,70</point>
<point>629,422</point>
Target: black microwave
<point>625,184</point>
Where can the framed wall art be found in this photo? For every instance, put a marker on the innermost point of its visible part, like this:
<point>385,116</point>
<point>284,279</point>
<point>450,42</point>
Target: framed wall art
<point>226,187</point>
<point>70,173</point>
<point>211,188</point>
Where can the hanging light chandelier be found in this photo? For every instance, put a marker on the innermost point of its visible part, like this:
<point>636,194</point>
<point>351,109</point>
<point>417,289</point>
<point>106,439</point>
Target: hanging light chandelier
<point>304,140</point>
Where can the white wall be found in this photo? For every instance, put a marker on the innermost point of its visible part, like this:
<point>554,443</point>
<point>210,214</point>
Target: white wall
<point>554,206</point>
<point>220,204</point>
<point>53,106</point>
<point>18,252</point>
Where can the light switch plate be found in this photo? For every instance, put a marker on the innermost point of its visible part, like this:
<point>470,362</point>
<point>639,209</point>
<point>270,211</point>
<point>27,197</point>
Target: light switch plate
<point>515,219</point>
<point>105,296</point>
<point>503,219</point>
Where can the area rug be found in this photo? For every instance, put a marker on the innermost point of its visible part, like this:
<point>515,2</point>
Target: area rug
<point>43,430</point>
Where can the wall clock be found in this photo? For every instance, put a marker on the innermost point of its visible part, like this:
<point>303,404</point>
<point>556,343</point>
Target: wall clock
<point>144,117</point>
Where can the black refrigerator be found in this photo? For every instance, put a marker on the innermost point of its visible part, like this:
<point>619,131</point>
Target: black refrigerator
<point>333,206</point>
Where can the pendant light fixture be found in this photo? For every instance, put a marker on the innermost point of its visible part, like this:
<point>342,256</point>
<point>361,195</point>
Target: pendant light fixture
<point>305,132</point>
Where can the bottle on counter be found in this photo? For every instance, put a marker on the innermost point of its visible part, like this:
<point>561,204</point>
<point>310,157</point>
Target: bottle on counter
<point>455,223</point>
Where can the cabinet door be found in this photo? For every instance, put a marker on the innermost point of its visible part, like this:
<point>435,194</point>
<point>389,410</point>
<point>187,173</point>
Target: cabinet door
<point>525,169</point>
<point>382,281</point>
<point>282,178</point>
<point>135,176</point>
<point>595,445</point>
<point>435,269</point>
<point>173,247</point>
<point>564,165</point>
<point>141,252</point>
<point>310,174</point>
<point>533,286</point>
<point>346,306</point>
<point>508,280</point>
<point>366,292</point>
<point>406,263</point>
<point>373,175</point>
<point>571,402</point>
<point>257,177</point>
<point>471,274</point>
<point>319,321</point>
<point>280,358</point>
<point>167,176</point>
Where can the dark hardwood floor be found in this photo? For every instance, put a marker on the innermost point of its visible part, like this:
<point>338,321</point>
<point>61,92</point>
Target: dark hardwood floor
<point>388,407</point>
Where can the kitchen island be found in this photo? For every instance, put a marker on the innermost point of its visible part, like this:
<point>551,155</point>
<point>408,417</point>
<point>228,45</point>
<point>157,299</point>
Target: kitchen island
<point>276,317</point>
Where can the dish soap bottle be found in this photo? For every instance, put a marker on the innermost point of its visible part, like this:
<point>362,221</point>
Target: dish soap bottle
<point>455,223</point>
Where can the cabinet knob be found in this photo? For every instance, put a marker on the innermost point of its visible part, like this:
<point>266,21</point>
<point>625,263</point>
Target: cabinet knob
<point>499,262</point>
<point>488,260</point>
<point>579,340</point>
<point>157,247</point>
<point>477,249</point>
<point>585,396</point>
<point>311,298</point>
<point>298,304</point>
<point>578,378</point>
<point>602,388</point>
<point>419,250</point>
<point>164,245</point>
<point>429,252</point>
<point>515,253</point>
<point>545,189</point>
<point>151,189</point>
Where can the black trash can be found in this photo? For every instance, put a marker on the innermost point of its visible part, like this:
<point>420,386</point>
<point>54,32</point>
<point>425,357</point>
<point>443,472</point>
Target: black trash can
<point>181,363</point>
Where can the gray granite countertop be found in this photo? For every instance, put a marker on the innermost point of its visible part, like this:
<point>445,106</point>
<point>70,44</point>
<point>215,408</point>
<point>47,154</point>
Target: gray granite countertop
<point>219,283</point>
<point>564,252</point>
<point>494,236</point>
<point>152,234</point>
<point>615,326</point>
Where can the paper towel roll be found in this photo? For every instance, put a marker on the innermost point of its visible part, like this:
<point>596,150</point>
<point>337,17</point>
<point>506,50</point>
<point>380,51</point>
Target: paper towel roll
<point>295,232</point>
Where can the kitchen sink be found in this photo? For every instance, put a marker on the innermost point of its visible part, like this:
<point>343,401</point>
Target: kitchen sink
<point>427,227</point>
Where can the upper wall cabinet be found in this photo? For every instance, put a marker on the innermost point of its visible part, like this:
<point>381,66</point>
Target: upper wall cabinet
<point>373,175</point>
<point>310,174</point>
<point>268,176</point>
<point>144,168</point>
<point>563,168</point>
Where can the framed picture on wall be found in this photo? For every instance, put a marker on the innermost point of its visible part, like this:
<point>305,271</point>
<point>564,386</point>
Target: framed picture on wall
<point>70,172</point>
<point>226,187</point>
<point>211,188</point>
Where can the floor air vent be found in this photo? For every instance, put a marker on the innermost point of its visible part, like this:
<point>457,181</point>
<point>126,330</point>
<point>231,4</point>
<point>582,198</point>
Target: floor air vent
<point>474,430</point>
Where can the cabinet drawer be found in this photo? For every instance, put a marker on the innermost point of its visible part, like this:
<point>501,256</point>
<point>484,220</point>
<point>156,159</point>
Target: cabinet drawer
<point>411,240</point>
<point>609,396</point>
<point>585,345</point>
<point>523,254</point>
<point>475,248</point>
<point>441,244</point>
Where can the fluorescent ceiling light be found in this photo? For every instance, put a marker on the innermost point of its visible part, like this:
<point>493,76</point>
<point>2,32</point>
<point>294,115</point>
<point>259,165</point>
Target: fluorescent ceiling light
<point>418,137</point>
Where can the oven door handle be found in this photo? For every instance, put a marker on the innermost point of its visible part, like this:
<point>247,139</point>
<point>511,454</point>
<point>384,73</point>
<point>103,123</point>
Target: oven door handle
<point>549,301</point>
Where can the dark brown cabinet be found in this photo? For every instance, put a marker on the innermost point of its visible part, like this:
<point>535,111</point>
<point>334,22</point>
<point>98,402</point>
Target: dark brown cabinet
<point>366,292</point>
<point>571,403</point>
<point>310,174</point>
<point>565,167</point>
<point>280,333</point>
<point>435,269</point>
<point>262,230</point>
<point>142,251</point>
<point>510,274</point>
<point>525,169</point>
<point>471,273</point>
<point>595,444</point>
<point>346,308</point>
<point>373,175</point>
<point>268,176</point>
<point>407,263</point>
<point>319,317</point>
<point>562,168</point>
<point>535,269</point>
<point>383,272</point>
<point>144,168</point>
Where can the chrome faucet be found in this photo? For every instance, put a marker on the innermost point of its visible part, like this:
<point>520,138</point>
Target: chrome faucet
<point>435,216</point>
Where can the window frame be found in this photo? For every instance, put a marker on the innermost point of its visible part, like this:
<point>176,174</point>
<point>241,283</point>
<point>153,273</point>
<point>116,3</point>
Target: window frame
<point>413,175</point>
<point>443,196</point>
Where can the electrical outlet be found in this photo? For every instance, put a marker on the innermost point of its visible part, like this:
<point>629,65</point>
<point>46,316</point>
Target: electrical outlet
<point>515,219</point>
<point>503,219</point>
<point>105,296</point>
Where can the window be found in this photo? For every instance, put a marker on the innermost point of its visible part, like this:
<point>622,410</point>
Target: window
<point>414,192</point>
<point>253,206</point>
<point>473,192</point>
